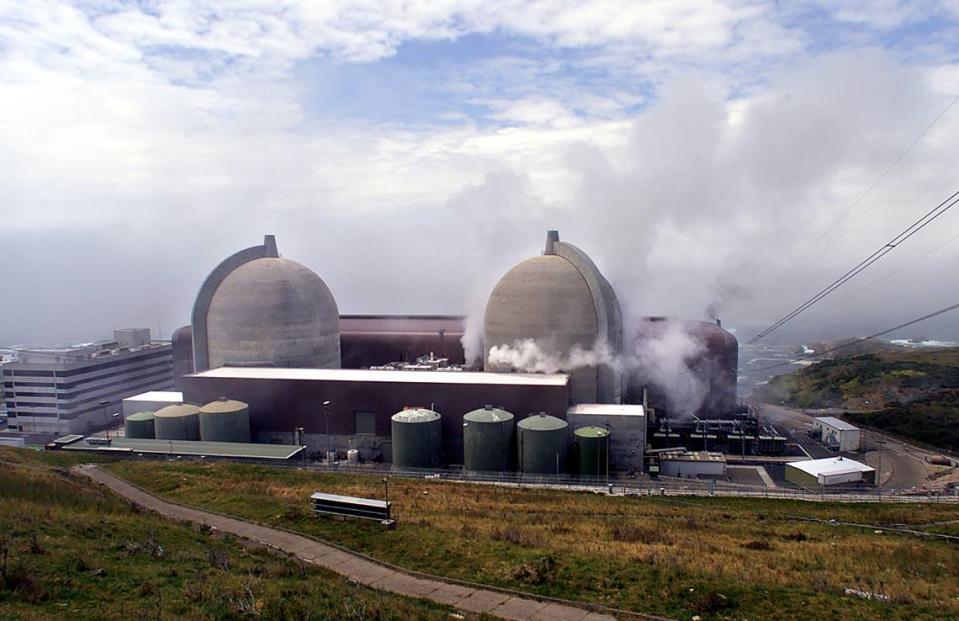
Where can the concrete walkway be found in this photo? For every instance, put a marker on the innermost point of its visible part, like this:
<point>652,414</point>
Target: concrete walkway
<point>362,570</point>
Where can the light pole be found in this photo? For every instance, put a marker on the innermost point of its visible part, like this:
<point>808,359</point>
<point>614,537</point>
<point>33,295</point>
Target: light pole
<point>299,441</point>
<point>326,418</point>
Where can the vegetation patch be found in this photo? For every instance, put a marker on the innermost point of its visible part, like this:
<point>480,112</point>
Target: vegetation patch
<point>636,553</point>
<point>68,550</point>
<point>911,393</point>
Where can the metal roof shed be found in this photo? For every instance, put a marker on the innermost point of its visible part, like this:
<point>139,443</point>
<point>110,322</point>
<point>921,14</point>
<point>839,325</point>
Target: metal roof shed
<point>829,471</point>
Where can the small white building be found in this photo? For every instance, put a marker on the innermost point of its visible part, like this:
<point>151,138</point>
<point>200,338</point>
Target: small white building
<point>627,430</point>
<point>837,434</point>
<point>692,465</point>
<point>814,473</point>
<point>151,401</point>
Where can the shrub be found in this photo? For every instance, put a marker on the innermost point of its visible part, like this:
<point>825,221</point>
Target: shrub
<point>540,571</point>
<point>639,533</point>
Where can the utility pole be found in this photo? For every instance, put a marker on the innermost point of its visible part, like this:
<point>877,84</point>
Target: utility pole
<point>879,444</point>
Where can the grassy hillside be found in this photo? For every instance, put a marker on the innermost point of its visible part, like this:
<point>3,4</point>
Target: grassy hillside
<point>71,551</point>
<point>720,558</point>
<point>913,393</point>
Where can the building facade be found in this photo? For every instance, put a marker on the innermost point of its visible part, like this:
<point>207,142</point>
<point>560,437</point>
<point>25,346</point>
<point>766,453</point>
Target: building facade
<point>831,471</point>
<point>837,434</point>
<point>692,465</point>
<point>627,431</point>
<point>362,402</point>
<point>77,389</point>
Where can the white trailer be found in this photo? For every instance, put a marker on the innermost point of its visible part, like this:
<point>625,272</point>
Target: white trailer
<point>837,434</point>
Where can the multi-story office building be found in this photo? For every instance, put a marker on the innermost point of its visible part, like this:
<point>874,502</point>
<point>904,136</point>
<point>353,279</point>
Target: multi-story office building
<point>77,389</point>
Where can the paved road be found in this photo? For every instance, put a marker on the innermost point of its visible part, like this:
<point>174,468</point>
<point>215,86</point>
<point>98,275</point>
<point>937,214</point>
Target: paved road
<point>903,465</point>
<point>360,569</point>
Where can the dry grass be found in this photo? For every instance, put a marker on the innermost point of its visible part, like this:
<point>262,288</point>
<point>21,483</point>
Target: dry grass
<point>728,557</point>
<point>69,550</point>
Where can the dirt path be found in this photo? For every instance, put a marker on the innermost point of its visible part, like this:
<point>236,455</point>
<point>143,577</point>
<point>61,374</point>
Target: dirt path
<point>501,604</point>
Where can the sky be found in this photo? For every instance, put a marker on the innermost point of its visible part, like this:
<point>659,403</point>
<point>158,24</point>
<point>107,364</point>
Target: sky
<point>710,155</point>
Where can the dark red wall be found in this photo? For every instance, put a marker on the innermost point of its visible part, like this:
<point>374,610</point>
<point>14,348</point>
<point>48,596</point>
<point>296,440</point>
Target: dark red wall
<point>374,340</point>
<point>283,405</point>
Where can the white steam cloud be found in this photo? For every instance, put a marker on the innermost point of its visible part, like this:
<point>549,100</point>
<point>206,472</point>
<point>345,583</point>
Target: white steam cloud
<point>664,360</point>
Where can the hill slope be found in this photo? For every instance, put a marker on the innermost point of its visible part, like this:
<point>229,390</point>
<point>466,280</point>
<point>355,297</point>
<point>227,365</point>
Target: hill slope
<point>912,393</point>
<point>719,558</point>
<point>71,550</point>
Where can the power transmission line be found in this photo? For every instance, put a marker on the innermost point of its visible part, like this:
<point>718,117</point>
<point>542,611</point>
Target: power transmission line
<point>881,279</point>
<point>883,250</point>
<point>869,189</point>
<point>913,322</point>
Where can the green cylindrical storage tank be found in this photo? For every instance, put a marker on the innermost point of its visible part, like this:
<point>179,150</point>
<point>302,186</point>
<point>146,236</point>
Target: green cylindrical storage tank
<point>225,420</point>
<point>592,444</point>
<point>417,434</point>
<point>487,440</point>
<point>541,444</point>
<point>139,425</point>
<point>177,422</point>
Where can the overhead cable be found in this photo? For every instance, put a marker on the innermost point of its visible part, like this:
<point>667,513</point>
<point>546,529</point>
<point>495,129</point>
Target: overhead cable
<point>883,250</point>
<point>912,322</point>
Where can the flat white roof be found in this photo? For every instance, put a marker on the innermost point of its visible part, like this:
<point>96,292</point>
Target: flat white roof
<point>692,456</point>
<point>158,395</point>
<point>367,375</point>
<point>835,423</point>
<point>830,465</point>
<point>606,409</point>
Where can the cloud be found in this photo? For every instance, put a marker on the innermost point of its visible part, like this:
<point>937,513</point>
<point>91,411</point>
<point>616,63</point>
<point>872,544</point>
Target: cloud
<point>691,148</point>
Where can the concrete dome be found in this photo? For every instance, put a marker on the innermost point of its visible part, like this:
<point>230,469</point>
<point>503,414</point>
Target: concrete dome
<point>273,311</point>
<point>560,300</point>
<point>258,309</point>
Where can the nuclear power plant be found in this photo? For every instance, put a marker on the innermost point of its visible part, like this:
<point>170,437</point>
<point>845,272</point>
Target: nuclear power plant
<point>564,385</point>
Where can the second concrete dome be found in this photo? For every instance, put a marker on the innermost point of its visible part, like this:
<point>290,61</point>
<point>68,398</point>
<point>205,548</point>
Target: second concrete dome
<point>560,300</point>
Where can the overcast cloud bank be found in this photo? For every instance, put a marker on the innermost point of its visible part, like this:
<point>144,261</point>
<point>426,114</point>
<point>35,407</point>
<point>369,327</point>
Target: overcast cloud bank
<point>411,155</point>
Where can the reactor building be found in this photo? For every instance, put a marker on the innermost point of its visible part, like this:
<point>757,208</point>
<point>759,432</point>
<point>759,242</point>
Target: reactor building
<point>560,301</point>
<point>267,343</point>
<point>257,309</point>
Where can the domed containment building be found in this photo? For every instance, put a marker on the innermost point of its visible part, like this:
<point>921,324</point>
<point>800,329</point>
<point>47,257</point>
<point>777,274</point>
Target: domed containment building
<point>713,369</point>
<point>258,309</point>
<point>560,300</point>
